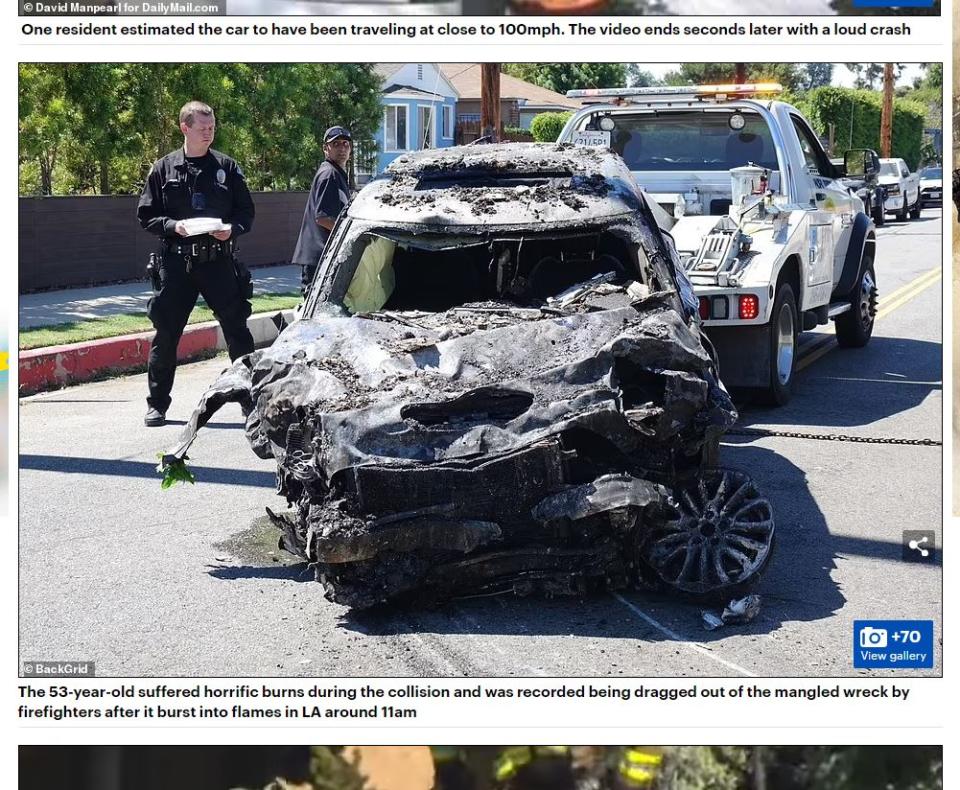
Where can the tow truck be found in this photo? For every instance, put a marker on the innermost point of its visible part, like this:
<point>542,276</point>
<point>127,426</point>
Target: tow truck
<point>772,241</point>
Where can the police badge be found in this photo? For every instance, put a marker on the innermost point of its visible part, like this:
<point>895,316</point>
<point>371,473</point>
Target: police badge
<point>221,176</point>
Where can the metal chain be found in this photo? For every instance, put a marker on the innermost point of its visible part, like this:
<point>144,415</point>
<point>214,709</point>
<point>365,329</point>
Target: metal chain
<point>832,437</point>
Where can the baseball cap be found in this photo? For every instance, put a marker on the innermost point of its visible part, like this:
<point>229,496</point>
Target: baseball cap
<point>334,132</point>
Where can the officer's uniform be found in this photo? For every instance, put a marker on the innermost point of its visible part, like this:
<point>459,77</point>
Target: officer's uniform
<point>179,188</point>
<point>329,193</point>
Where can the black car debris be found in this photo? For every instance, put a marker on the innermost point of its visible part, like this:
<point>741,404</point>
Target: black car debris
<point>499,383</point>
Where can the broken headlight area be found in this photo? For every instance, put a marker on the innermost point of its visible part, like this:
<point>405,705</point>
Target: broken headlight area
<point>526,452</point>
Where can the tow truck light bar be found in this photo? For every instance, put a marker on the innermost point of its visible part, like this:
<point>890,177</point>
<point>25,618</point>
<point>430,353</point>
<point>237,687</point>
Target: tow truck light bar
<point>719,92</point>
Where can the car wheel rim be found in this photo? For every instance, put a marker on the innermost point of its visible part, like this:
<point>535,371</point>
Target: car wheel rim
<point>868,298</point>
<point>721,536</point>
<point>786,343</point>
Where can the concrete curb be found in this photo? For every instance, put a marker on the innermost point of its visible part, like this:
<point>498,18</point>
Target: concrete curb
<point>49,368</point>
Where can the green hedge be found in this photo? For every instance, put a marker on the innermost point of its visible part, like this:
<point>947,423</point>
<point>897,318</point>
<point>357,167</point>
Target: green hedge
<point>546,126</point>
<point>856,117</point>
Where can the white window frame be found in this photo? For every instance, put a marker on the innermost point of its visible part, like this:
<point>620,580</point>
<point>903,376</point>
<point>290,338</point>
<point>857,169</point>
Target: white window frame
<point>406,127</point>
<point>432,120</point>
<point>447,122</point>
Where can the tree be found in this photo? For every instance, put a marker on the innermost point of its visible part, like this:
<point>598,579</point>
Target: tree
<point>870,75</point>
<point>46,120</point>
<point>561,77</point>
<point>928,91</point>
<point>789,75</point>
<point>815,75</point>
<point>640,78</point>
<point>97,127</point>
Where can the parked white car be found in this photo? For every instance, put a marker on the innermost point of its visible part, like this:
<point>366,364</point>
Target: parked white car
<point>770,238</point>
<point>931,186</point>
<point>902,188</point>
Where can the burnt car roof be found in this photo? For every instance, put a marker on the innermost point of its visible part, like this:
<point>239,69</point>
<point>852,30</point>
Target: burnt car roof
<point>506,184</point>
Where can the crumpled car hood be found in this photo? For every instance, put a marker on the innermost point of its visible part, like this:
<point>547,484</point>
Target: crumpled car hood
<point>346,391</point>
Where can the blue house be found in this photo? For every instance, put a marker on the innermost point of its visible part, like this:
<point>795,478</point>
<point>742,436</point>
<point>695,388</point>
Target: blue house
<point>419,110</point>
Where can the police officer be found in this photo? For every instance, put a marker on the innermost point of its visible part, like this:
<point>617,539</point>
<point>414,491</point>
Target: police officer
<point>194,181</point>
<point>329,193</point>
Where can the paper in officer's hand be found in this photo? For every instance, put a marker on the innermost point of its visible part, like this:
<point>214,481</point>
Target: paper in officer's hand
<point>197,225</point>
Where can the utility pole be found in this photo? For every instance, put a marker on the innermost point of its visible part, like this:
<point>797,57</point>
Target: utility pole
<point>740,73</point>
<point>886,116</point>
<point>490,101</point>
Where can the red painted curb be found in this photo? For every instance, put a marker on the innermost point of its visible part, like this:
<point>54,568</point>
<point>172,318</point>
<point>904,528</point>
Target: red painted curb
<point>57,366</point>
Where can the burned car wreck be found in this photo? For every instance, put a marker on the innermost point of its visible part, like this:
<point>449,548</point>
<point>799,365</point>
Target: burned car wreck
<point>499,383</point>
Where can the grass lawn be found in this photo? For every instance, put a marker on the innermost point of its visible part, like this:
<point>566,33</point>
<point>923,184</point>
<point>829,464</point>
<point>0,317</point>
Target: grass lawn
<point>130,323</point>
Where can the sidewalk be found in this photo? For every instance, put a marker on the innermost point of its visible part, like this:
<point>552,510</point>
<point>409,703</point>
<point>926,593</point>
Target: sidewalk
<point>57,366</point>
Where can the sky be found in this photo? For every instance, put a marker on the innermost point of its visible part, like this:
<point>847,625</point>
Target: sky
<point>842,76</point>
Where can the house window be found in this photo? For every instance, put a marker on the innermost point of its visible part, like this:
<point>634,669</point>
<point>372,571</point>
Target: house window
<point>395,128</point>
<point>425,125</point>
<point>448,121</point>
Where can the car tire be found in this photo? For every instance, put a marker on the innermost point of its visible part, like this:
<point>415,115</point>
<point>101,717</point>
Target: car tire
<point>782,348</point>
<point>879,217</point>
<point>917,208</point>
<point>689,554</point>
<point>855,326</point>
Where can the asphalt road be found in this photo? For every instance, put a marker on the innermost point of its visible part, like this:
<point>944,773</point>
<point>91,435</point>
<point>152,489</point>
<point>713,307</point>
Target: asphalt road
<point>187,582</point>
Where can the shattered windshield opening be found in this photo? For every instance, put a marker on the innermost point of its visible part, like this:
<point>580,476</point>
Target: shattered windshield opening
<point>433,273</point>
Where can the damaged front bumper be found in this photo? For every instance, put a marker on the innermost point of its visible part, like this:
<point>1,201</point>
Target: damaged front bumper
<point>415,469</point>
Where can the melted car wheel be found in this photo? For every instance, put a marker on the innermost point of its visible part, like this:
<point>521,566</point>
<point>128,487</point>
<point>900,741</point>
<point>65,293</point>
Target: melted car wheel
<point>720,542</point>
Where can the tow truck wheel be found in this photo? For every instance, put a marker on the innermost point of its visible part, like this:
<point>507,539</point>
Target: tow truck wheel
<point>783,347</point>
<point>855,326</point>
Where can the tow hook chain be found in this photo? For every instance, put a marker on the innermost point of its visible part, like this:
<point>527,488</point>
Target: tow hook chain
<point>832,437</point>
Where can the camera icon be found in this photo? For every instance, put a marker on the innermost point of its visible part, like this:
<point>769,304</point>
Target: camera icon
<point>873,637</point>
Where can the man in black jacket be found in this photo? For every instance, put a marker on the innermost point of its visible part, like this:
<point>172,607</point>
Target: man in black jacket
<point>329,193</point>
<point>186,185</point>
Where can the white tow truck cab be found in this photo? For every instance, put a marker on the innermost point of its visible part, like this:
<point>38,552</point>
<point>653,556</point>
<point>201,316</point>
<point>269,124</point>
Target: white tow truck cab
<point>771,240</point>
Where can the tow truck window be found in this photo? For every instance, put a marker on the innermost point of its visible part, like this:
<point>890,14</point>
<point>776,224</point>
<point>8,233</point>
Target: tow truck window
<point>698,141</point>
<point>813,154</point>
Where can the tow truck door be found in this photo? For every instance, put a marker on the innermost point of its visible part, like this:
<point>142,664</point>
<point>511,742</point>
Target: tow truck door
<point>835,208</point>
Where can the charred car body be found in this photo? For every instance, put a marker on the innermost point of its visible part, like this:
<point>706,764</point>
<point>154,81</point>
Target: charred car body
<point>499,382</point>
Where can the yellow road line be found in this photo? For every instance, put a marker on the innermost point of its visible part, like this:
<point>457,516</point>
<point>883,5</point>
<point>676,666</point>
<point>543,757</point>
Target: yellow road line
<point>888,305</point>
<point>893,301</point>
